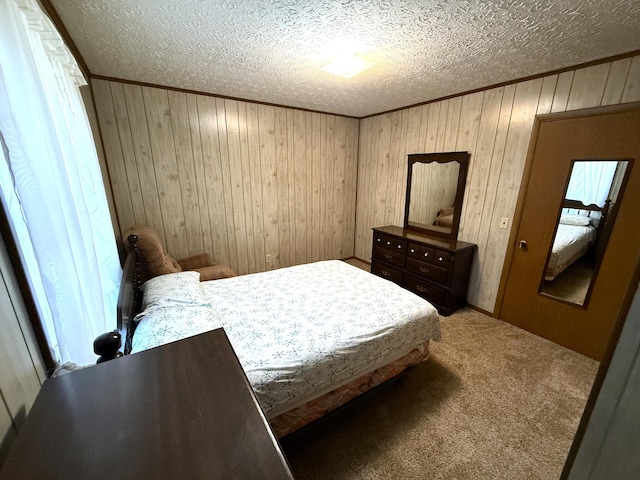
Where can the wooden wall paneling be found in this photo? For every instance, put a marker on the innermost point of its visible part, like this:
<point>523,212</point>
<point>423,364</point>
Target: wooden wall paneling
<point>485,226</point>
<point>480,167</point>
<point>451,127</point>
<point>588,87</point>
<point>467,137</point>
<point>128,154</point>
<point>317,184</point>
<point>423,121</point>
<point>234,162</point>
<point>19,380</point>
<point>441,132</point>
<point>632,86</point>
<point>329,213</point>
<point>245,185</point>
<point>395,160</point>
<point>113,151</point>
<point>211,184</point>
<point>366,174</point>
<point>432,125</point>
<point>200,176</point>
<point>563,89</point>
<point>502,123</point>
<point>383,169</point>
<point>300,186</point>
<point>406,146</point>
<point>156,104</point>
<point>361,250</point>
<point>327,193</point>
<point>616,81</point>
<point>210,175</point>
<point>291,168</point>
<point>545,102</point>
<point>369,165</point>
<point>22,370</point>
<point>224,203</point>
<point>413,131</point>
<point>379,159</point>
<point>269,187</point>
<point>323,152</point>
<point>283,257</point>
<point>469,122</point>
<point>143,157</point>
<point>339,183</point>
<point>180,126</point>
<point>350,188</point>
<point>520,127</point>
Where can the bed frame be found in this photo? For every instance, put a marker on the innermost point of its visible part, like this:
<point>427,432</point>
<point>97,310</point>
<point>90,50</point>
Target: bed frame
<point>592,249</point>
<point>578,205</point>
<point>130,295</point>
<point>601,229</point>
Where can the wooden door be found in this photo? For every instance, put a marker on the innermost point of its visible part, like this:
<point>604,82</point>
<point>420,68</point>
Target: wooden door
<point>586,330</point>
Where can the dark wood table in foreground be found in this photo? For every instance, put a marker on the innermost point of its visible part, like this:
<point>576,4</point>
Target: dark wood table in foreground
<point>182,410</point>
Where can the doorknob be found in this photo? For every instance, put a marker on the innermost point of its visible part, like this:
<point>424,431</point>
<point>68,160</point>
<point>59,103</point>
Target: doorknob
<point>522,244</point>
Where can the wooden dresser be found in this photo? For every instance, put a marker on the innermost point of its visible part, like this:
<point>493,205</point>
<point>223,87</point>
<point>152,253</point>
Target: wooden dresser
<point>181,410</point>
<point>435,269</point>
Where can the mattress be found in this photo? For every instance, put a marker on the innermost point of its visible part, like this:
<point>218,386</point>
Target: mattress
<point>299,332</point>
<point>570,243</point>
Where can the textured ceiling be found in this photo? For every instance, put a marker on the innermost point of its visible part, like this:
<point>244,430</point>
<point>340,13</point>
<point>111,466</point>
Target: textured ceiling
<point>272,50</point>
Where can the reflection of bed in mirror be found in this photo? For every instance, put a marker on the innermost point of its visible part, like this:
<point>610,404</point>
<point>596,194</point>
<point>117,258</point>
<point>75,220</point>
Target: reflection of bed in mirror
<point>444,217</point>
<point>576,235</point>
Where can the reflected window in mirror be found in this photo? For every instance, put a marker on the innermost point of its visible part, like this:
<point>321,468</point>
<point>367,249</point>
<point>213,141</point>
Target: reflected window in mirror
<point>584,222</point>
<point>435,191</point>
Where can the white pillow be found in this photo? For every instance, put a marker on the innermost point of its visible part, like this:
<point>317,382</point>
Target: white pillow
<point>574,219</point>
<point>181,288</point>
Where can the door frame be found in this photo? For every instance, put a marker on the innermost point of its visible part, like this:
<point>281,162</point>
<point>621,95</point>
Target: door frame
<point>511,249</point>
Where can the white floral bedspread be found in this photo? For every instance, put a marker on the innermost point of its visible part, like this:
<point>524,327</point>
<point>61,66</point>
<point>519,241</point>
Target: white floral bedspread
<point>571,241</point>
<point>298,332</point>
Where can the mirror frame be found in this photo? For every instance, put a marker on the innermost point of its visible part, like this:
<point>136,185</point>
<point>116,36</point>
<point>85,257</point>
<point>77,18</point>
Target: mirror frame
<point>463,159</point>
<point>604,232</point>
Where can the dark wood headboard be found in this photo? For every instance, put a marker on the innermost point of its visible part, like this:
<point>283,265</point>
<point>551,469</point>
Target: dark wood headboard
<point>578,205</point>
<point>130,295</point>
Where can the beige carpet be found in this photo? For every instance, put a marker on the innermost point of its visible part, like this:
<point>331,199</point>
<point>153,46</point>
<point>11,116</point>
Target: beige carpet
<point>492,402</point>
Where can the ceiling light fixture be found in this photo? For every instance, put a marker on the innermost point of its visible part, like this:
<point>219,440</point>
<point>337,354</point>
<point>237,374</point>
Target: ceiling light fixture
<point>347,65</point>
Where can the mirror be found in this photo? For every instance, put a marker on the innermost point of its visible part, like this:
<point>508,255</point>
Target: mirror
<point>583,225</point>
<point>435,190</point>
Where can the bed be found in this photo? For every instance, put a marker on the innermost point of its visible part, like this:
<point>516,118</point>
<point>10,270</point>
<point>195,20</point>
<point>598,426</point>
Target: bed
<point>309,337</point>
<point>577,232</point>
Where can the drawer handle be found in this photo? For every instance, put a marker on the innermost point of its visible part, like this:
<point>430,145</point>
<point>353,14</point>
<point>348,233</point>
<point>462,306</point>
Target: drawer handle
<point>378,239</point>
<point>399,246</point>
<point>388,256</point>
<point>413,250</point>
<point>388,243</point>
<point>439,259</point>
<point>426,254</point>
<point>386,273</point>
<point>422,289</point>
<point>424,269</point>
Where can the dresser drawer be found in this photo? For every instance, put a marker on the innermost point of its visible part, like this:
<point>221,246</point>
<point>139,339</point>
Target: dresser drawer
<point>389,256</point>
<point>429,254</point>
<point>390,243</point>
<point>427,290</point>
<point>386,272</point>
<point>428,270</point>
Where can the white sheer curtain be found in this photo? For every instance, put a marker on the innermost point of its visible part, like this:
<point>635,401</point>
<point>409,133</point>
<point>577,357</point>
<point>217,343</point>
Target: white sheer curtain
<point>591,181</point>
<point>51,186</point>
